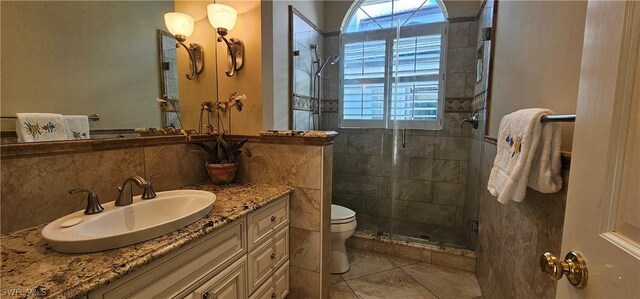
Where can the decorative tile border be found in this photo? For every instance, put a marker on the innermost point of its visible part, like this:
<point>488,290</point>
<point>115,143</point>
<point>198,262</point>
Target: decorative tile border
<point>457,105</point>
<point>479,102</point>
<point>330,106</point>
<point>306,103</point>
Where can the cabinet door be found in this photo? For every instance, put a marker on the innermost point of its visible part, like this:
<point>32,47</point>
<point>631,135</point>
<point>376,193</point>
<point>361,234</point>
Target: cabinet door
<point>281,281</point>
<point>229,284</point>
<point>173,274</point>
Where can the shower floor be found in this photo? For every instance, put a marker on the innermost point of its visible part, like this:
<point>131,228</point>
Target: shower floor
<point>413,231</point>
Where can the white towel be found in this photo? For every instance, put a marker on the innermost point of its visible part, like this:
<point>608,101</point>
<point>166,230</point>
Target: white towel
<point>77,126</point>
<point>528,155</point>
<point>35,127</point>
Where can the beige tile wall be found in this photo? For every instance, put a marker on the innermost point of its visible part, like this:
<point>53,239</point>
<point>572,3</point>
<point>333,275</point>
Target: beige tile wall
<point>34,190</point>
<point>512,238</point>
<point>308,170</point>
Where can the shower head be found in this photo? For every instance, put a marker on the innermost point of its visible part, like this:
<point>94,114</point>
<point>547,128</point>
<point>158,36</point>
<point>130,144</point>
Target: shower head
<point>333,59</point>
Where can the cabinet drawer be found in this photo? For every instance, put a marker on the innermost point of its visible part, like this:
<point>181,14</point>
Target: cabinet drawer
<point>276,287</point>
<point>263,222</point>
<point>267,258</point>
<point>229,284</point>
<point>266,291</point>
<point>172,274</point>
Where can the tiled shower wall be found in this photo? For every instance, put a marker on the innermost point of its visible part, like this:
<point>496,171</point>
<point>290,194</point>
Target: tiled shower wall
<point>419,191</point>
<point>422,190</point>
<point>304,101</point>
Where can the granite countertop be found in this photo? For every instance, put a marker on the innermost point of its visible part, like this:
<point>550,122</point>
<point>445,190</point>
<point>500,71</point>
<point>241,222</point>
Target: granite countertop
<point>30,265</point>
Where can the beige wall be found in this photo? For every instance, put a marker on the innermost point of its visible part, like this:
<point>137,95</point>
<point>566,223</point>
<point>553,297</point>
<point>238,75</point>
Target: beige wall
<point>203,88</point>
<point>247,81</point>
<point>538,49</point>
<point>82,58</point>
<point>275,47</point>
<point>338,9</point>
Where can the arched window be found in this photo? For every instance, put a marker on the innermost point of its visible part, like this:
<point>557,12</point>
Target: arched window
<point>394,54</point>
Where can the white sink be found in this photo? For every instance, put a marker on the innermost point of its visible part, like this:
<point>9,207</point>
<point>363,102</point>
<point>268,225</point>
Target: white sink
<point>115,227</point>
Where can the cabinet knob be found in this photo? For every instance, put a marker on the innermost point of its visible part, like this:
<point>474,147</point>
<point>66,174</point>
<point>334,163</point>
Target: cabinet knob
<point>274,218</point>
<point>274,295</point>
<point>273,256</point>
<point>206,295</point>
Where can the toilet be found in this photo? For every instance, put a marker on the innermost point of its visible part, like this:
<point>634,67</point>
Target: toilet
<point>343,224</point>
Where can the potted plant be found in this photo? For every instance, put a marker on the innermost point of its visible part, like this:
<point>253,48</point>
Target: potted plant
<point>222,156</point>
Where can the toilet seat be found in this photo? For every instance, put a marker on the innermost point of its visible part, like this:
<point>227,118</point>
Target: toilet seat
<point>340,215</point>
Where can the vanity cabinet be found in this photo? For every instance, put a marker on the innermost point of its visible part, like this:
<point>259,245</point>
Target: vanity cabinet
<point>247,258</point>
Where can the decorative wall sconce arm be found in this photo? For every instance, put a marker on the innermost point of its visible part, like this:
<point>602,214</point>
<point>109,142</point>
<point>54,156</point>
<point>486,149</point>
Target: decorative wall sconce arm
<point>223,18</point>
<point>235,52</point>
<point>181,26</point>
<point>196,58</point>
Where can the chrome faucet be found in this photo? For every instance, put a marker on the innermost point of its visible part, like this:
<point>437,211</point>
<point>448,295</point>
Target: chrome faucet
<point>126,195</point>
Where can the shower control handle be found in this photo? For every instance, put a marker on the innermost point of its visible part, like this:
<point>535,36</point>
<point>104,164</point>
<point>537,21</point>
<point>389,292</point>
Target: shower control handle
<point>474,120</point>
<point>574,267</point>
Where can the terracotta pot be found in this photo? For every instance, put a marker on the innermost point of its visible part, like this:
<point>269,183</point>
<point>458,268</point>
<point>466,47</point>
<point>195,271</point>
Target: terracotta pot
<point>222,174</point>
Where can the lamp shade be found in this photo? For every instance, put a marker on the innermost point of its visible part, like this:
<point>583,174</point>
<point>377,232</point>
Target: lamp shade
<point>179,23</point>
<point>222,16</point>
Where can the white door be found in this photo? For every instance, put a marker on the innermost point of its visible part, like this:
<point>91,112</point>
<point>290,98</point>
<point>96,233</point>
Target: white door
<point>602,219</point>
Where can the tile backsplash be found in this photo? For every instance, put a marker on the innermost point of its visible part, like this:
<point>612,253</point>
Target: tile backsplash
<point>35,189</point>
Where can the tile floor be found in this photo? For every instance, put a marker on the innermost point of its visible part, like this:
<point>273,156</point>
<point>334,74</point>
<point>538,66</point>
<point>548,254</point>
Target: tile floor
<point>375,275</point>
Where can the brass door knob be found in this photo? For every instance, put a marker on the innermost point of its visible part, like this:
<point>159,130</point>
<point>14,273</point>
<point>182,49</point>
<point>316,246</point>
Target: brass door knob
<point>574,267</point>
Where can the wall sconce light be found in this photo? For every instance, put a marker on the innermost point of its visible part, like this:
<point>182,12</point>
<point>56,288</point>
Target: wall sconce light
<point>181,26</point>
<point>223,18</point>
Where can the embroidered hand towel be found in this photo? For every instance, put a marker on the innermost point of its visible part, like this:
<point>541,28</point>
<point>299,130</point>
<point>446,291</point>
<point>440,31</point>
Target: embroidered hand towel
<point>77,126</point>
<point>36,127</point>
<point>546,168</point>
<point>528,154</point>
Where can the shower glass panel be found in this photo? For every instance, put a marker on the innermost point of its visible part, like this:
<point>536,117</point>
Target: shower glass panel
<point>427,182</point>
<point>400,162</point>
<point>363,169</point>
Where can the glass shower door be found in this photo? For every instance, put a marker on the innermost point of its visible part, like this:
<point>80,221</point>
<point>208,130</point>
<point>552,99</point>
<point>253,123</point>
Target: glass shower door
<point>429,155</point>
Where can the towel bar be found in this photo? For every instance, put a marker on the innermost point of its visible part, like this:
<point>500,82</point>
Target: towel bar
<point>558,118</point>
<point>92,117</point>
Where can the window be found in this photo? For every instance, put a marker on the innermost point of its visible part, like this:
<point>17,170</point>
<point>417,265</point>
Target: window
<point>390,76</point>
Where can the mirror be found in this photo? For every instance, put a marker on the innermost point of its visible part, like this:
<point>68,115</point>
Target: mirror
<point>168,69</point>
<point>306,45</point>
<point>85,57</point>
